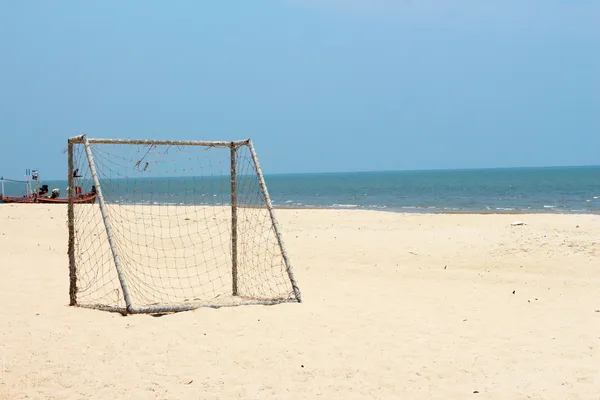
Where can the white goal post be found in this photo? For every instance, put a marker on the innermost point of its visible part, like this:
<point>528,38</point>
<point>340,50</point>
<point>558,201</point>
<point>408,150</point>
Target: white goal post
<point>159,226</point>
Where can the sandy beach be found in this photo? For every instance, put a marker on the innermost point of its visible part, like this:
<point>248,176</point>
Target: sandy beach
<point>395,306</point>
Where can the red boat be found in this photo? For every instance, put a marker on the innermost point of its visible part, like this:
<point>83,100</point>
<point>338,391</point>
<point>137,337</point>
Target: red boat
<point>40,194</point>
<point>29,197</point>
<point>89,198</point>
<point>14,199</point>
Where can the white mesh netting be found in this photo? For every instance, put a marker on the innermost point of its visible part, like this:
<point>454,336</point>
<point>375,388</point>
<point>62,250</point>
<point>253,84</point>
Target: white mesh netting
<point>170,212</point>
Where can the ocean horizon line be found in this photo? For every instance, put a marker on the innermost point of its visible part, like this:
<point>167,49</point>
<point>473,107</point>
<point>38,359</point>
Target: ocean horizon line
<point>376,171</point>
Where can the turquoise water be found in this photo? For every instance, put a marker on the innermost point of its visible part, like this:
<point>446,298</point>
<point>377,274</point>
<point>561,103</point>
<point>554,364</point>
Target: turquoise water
<point>548,190</point>
<point>564,190</point>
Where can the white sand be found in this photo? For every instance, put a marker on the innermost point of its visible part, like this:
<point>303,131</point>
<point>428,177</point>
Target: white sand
<point>396,306</point>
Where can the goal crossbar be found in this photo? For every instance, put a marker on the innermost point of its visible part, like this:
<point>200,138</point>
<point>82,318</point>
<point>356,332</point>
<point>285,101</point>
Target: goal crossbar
<point>81,139</point>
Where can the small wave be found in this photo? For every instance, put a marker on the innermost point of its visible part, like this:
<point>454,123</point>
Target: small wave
<point>505,209</point>
<point>292,204</point>
<point>289,201</point>
<point>346,205</point>
<point>550,206</point>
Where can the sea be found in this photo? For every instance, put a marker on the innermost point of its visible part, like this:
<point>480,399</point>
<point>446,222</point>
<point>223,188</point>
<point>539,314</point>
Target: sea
<point>568,190</point>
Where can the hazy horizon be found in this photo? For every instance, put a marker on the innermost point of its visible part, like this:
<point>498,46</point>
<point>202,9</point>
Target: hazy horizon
<point>539,167</point>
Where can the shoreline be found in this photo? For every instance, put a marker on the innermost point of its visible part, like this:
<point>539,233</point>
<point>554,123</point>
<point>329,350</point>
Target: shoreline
<point>428,211</point>
<point>385,209</point>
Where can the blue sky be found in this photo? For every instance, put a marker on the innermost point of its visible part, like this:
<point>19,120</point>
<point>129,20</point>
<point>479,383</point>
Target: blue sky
<point>320,85</point>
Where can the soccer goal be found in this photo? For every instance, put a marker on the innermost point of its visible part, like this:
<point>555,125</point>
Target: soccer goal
<point>165,226</point>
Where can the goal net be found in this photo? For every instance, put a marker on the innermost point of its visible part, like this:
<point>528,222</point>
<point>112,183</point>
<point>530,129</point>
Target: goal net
<point>165,226</point>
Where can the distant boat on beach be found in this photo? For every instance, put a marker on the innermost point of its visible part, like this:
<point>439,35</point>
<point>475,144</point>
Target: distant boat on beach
<point>26,198</point>
<point>14,199</point>
<point>40,194</point>
<point>88,198</point>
